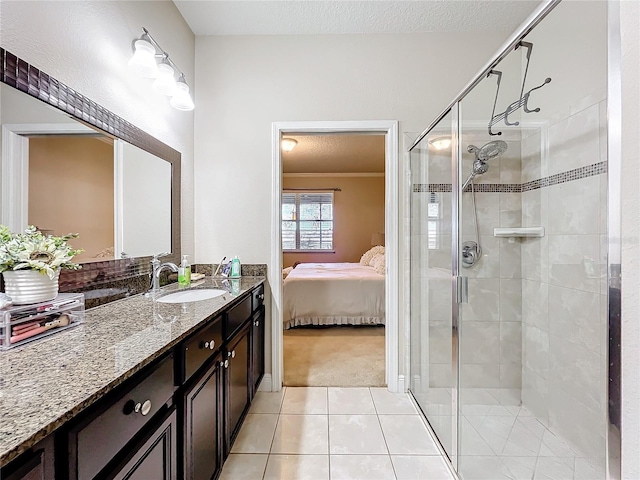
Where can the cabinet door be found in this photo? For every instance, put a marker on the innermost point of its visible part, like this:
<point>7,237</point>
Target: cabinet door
<point>257,349</point>
<point>236,384</point>
<point>203,426</point>
<point>36,464</point>
<point>156,457</point>
<point>31,469</point>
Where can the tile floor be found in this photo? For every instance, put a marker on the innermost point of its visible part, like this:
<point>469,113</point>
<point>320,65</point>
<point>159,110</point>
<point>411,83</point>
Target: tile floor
<point>319,433</point>
<point>508,442</point>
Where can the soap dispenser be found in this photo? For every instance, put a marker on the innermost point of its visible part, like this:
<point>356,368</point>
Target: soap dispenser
<point>235,267</point>
<point>184,272</point>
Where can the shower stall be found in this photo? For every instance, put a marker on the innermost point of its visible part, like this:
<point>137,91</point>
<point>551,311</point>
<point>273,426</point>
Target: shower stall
<point>514,285</point>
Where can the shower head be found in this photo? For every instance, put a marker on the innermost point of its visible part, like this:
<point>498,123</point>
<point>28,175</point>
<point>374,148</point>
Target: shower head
<point>491,150</point>
<point>483,154</point>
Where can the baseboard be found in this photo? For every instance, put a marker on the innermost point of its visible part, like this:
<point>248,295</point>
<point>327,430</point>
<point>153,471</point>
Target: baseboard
<point>265,383</point>
<point>401,384</point>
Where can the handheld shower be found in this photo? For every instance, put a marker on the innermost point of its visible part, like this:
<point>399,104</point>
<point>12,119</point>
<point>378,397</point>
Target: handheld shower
<point>471,251</point>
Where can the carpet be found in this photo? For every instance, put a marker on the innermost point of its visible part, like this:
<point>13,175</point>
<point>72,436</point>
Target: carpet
<point>334,356</point>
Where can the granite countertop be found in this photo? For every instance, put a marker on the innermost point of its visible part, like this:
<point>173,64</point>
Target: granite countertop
<point>48,382</point>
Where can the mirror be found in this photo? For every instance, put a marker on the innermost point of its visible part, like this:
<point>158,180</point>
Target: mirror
<point>64,176</point>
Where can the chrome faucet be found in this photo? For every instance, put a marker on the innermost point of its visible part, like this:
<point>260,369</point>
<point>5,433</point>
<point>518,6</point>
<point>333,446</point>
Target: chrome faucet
<point>156,268</point>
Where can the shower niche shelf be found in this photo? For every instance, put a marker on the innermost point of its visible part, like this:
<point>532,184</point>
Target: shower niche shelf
<point>515,232</point>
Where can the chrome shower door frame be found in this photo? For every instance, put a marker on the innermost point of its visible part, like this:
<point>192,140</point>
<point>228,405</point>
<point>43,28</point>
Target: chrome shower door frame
<point>614,246</point>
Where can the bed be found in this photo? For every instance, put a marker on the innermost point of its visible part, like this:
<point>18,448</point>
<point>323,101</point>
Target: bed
<point>333,294</point>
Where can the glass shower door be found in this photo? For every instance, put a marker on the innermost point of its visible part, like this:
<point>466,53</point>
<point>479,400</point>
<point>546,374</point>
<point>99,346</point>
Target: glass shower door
<point>433,375</point>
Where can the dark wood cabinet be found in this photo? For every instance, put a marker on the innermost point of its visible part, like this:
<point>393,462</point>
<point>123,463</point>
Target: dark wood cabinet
<point>257,349</point>
<point>101,435</point>
<point>203,425</point>
<point>236,384</point>
<point>155,458</point>
<point>36,464</point>
<point>177,418</point>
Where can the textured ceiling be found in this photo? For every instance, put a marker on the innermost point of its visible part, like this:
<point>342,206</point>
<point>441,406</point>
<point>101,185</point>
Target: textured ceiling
<point>336,153</point>
<point>224,17</point>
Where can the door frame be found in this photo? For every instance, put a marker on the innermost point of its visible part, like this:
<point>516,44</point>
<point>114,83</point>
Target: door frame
<point>388,128</point>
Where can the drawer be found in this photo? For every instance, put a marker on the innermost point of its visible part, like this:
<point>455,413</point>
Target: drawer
<point>258,297</point>
<point>94,444</point>
<point>236,316</point>
<point>200,347</point>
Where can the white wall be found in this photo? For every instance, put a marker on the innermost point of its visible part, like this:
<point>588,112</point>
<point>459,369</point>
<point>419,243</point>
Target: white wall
<point>630,27</point>
<point>249,82</point>
<point>87,44</point>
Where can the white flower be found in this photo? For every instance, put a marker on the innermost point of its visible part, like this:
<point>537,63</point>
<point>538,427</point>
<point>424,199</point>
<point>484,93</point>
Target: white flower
<point>32,250</point>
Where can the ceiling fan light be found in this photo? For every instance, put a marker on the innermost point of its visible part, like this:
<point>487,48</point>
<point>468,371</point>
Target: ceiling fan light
<point>143,62</point>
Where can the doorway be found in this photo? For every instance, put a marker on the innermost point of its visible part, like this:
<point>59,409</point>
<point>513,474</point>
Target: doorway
<point>389,129</point>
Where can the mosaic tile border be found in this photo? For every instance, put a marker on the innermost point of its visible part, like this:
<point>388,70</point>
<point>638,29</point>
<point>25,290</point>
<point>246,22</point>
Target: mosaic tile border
<point>558,178</point>
<point>564,177</point>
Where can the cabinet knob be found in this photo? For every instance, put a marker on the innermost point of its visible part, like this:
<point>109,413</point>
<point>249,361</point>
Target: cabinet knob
<point>212,344</point>
<point>205,345</point>
<point>261,296</point>
<point>257,323</point>
<point>146,407</point>
<point>226,364</point>
<point>233,354</point>
<point>143,408</point>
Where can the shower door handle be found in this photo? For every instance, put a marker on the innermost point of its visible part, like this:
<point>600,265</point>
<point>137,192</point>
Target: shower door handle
<point>462,289</point>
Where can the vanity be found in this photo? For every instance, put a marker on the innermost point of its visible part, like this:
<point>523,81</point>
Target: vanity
<point>141,390</point>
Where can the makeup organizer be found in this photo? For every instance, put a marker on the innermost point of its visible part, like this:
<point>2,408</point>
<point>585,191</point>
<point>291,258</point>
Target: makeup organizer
<point>25,323</point>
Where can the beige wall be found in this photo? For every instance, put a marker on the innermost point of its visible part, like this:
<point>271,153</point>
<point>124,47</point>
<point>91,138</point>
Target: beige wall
<point>86,163</point>
<point>358,212</point>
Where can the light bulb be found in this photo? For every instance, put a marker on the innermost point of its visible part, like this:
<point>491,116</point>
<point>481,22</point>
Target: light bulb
<point>440,143</point>
<point>143,61</point>
<point>288,144</point>
<point>181,99</point>
<point>165,84</point>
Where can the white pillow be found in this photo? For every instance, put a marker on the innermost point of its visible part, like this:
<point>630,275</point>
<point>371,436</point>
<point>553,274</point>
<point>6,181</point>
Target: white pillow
<point>286,271</point>
<point>369,254</point>
<point>379,264</point>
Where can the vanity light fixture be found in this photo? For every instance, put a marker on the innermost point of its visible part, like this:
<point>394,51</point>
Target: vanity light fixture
<point>288,144</point>
<point>151,61</point>
<point>440,143</point>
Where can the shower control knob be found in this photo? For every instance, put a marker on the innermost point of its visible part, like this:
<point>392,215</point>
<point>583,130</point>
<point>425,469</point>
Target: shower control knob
<point>470,254</point>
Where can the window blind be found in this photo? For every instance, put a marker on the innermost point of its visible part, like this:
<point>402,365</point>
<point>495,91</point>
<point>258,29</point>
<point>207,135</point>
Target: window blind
<point>307,221</point>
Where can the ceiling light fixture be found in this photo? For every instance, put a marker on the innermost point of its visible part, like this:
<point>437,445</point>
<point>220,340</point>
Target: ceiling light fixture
<point>288,144</point>
<point>440,143</point>
<point>146,55</point>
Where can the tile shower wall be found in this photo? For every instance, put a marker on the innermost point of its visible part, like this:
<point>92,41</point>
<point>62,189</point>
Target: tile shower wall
<point>491,327</point>
<point>491,321</point>
<point>563,280</point>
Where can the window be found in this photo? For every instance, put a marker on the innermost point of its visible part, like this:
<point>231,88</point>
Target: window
<point>433,215</point>
<point>307,221</point>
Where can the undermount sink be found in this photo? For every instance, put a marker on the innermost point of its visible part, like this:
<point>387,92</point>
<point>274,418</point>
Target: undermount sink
<point>192,295</point>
